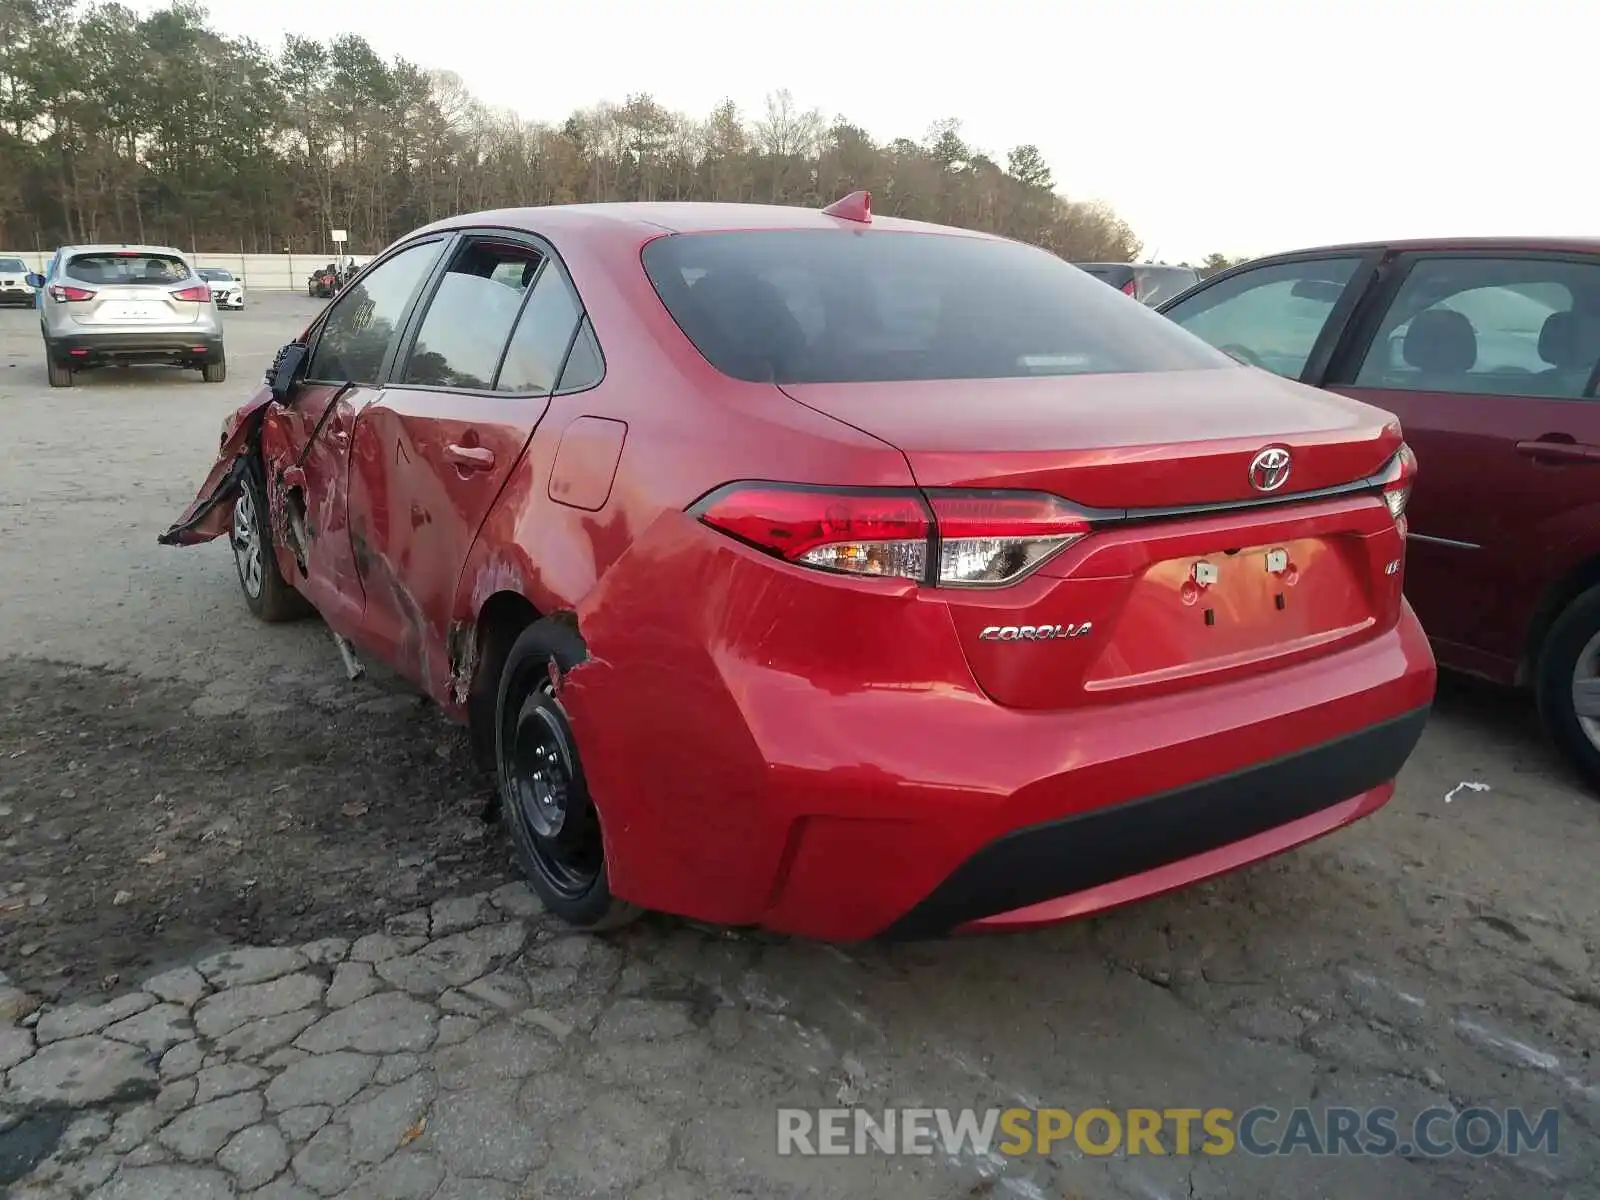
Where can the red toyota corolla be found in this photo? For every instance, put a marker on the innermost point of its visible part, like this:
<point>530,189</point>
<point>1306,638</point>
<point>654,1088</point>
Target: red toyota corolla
<point>834,574</point>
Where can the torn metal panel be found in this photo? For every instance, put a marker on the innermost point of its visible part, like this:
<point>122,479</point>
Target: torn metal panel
<point>210,514</point>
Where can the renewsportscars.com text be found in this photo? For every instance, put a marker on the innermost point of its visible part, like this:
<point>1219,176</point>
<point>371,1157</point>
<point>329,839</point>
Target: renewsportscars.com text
<point>1260,1131</point>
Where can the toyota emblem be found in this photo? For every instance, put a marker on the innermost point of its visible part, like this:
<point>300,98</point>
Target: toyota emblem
<point>1269,470</point>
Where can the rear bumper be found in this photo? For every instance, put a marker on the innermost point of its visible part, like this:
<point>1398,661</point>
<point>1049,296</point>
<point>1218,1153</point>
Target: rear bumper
<point>1092,861</point>
<point>815,758</point>
<point>139,345</point>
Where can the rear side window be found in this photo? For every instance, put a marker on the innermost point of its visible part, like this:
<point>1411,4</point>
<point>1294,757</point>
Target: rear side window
<point>470,316</point>
<point>825,306</point>
<point>544,331</point>
<point>127,266</point>
<point>1509,327</point>
<point>584,365</point>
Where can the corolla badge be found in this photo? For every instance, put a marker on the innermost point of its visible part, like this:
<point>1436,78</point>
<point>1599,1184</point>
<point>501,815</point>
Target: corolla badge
<point>1269,470</point>
<point>1033,633</point>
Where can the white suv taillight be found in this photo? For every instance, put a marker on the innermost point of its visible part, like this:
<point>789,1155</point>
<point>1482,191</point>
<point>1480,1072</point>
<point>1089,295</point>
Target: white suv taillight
<point>1397,479</point>
<point>947,537</point>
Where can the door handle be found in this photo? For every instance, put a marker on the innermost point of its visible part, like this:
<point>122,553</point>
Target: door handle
<point>470,458</point>
<point>1561,450</point>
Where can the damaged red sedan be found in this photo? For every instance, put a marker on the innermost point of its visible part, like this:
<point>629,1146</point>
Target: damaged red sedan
<point>834,574</point>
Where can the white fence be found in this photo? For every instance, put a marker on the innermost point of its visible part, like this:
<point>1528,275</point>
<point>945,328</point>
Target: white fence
<point>260,272</point>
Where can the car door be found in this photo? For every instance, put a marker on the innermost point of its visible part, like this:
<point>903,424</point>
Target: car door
<point>1283,315</point>
<point>307,441</point>
<point>1489,361</point>
<point>433,452</point>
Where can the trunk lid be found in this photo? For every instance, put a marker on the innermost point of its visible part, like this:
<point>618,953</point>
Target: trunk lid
<point>1154,600</point>
<point>1155,440</point>
<point>135,304</point>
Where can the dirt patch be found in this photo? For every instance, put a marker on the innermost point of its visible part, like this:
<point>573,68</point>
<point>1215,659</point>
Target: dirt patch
<point>141,822</point>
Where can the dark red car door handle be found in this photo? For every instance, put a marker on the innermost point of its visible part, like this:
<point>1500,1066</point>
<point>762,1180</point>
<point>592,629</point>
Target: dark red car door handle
<point>470,458</point>
<point>1562,450</point>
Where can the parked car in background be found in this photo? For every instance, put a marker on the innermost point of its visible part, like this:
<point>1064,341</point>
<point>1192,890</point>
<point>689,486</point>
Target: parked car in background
<point>835,574</point>
<point>1488,350</point>
<point>14,287</point>
<point>127,304</point>
<point>323,283</point>
<point>1149,283</point>
<point>227,291</point>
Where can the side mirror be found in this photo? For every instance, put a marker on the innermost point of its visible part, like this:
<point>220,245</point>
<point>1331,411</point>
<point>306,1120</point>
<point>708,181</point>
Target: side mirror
<point>286,369</point>
<point>35,280</point>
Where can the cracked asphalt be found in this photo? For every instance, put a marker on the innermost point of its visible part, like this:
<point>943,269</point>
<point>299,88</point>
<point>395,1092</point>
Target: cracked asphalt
<point>257,937</point>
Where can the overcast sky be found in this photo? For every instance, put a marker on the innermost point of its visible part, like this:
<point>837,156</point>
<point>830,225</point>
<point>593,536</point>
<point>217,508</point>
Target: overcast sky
<point>1235,125</point>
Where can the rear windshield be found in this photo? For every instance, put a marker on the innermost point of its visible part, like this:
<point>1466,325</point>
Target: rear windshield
<point>216,273</point>
<point>127,266</point>
<point>13,266</point>
<point>1163,283</point>
<point>819,306</point>
<point>1116,274</point>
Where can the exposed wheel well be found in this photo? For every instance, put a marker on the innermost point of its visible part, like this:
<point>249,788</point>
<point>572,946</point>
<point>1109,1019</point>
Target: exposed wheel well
<point>1560,594</point>
<point>502,618</point>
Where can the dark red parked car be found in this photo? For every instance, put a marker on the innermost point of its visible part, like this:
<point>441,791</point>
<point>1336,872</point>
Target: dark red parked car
<point>838,575</point>
<point>1489,352</point>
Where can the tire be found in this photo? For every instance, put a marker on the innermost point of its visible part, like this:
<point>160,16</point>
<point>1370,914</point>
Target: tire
<point>544,795</point>
<point>215,372</point>
<point>1569,659</point>
<point>60,374</point>
<point>270,597</point>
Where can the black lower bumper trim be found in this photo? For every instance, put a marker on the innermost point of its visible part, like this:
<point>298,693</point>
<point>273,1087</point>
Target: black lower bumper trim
<point>1043,862</point>
<point>166,346</point>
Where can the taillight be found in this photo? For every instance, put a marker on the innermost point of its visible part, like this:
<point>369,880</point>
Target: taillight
<point>62,293</point>
<point>991,538</point>
<point>199,294</point>
<point>863,533</point>
<point>1397,479</point>
<point>1131,288</point>
<point>955,538</point>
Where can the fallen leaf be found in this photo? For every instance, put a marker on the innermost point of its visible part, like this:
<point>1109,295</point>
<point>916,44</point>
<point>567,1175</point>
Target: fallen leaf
<point>121,898</point>
<point>414,1132</point>
<point>154,857</point>
<point>355,808</point>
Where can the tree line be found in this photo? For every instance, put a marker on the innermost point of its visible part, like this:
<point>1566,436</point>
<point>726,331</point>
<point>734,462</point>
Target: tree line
<point>158,128</point>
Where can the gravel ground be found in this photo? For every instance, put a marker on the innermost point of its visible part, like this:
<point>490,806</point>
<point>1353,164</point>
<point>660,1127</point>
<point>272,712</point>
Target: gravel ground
<point>178,784</point>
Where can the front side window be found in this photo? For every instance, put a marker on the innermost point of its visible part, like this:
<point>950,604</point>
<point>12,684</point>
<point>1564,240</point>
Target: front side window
<point>826,306</point>
<point>1513,327</point>
<point>470,316</point>
<point>364,322</point>
<point>1270,316</point>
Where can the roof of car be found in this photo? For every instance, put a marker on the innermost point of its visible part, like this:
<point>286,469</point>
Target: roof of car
<point>678,217</point>
<point>1587,245</point>
<point>124,247</point>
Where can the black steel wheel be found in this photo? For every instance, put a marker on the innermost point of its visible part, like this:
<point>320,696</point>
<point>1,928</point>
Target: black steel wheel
<point>544,796</point>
